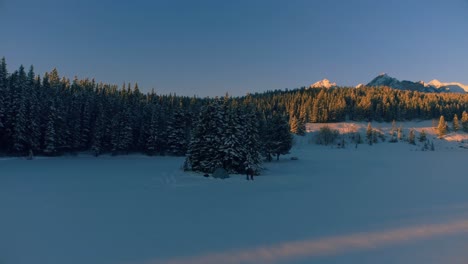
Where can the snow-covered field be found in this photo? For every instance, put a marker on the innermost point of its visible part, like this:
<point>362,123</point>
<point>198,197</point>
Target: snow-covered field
<point>386,203</point>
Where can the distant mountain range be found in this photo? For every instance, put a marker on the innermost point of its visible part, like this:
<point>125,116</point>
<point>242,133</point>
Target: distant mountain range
<point>433,86</point>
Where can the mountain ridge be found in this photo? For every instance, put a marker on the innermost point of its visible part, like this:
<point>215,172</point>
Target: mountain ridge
<point>421,86</point>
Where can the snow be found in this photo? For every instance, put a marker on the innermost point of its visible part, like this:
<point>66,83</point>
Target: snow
<point>325,83</point>
<point>449,86</point>
<point>385,203</point>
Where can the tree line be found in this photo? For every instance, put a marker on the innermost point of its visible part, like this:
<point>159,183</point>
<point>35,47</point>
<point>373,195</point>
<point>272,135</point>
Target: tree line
<point>380,104</point>
<point>52,115</point>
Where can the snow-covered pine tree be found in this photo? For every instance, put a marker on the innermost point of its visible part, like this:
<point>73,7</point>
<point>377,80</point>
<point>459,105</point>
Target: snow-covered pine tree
<point>122,135</point>
<point>152,133</point>
<point>3,102</point>
<point>251,138</point>
<point>20,136</point>
<point>206,139</point>
<point>33,112</point>
<point>232,150</point>
<point>50,140</point>
<point>177,133</point>
<point>86,122</point>
<point>97,135</point>
<point>278,139</point>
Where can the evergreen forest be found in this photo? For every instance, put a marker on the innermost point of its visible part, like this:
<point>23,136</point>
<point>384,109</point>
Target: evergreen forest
<point>53,115</point>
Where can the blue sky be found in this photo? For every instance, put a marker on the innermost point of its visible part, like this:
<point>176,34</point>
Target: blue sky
<point>210,47</point>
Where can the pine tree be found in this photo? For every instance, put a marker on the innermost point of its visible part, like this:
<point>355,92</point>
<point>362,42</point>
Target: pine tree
<point>3,102</point>
<point>400,133</point>
<point>251,139</point>
<point>422,136</point>
<point>177,139</point>
<point>122,135</point>
<point>294,124</point>
<point>369,131</point>
<point>393,132</point>
<point>50,143</point>
<point>456,124</point>
<point>411,137</point>
<point>98,134</point>
<point>278,137</point>
<point>233,150</point>
<point>34,108</point>
<point>153,133</point>
<point>225,136</point>
<point>206,139</point>
<point>442,127</point>
<point>464,121</point>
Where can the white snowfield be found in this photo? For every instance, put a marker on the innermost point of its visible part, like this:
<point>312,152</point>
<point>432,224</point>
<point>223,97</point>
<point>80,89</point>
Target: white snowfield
<point>386,203</point>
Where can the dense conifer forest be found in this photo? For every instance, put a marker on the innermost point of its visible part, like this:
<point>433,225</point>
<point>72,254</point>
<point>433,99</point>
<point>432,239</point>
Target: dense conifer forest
<point>53,115</point>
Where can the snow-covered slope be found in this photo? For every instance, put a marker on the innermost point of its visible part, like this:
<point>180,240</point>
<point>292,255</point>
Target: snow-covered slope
<point>386,203</point>
<point>325,83</point>
<point>453,87</point>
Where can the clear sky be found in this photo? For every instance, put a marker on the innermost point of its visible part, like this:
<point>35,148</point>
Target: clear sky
<point>210,47</point>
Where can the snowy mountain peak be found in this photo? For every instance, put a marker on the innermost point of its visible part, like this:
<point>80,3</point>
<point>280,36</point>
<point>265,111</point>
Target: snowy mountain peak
<point>451,87</point>
<point>385,80</point>
<point>433,86</point>
<point>325,83</point>
<point>435,83</point>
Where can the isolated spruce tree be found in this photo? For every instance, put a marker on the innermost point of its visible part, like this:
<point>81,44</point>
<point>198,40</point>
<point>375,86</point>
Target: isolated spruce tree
<point>369,133</point>
<point>225,135</point>
<point>464,121</point>
<point>411,137</point>
<point>400,133</point>
<point>442,127</point>
<point>456,124</point>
